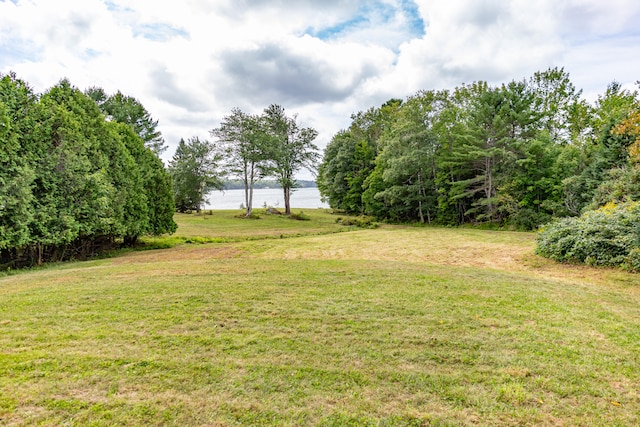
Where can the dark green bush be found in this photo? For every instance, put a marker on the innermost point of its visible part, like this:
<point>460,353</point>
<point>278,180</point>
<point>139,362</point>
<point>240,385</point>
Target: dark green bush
<point>358,221</point>
<point>609,236</point>
<point>301,216</point>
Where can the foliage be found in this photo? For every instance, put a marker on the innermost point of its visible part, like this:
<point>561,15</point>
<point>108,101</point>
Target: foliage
<point>515,155</point>
<point>195,170</point>
<point>128,110</point>
<point>300,216</point>
<point>72,182</point>
<point>243,142</point>
<point>349,159</point>
<point>361,221</point>
<point>290,149</point>
<point>609,236</point>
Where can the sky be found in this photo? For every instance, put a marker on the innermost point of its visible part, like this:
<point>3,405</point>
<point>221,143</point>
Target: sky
<point>190,62</point>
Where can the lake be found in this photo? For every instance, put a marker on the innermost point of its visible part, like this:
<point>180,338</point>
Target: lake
<point>232,199</point>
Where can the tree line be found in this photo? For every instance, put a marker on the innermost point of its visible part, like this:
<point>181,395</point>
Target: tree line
<point>514,155</point>
<point>78,172</point>
<point>238,184</point>
<point>248,148</point>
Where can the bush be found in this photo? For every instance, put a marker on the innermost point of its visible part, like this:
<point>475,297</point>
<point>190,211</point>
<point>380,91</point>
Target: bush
<point>632,263</point>
<point>358,221</point>
<point>609,236</point>
<point>243,215</point>
<point>301,216</point>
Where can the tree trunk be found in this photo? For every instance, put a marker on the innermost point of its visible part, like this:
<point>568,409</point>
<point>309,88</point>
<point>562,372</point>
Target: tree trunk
<point>421,194</point>
<point>287,195</point>
<point>248,190</point>
<point>488,190</point>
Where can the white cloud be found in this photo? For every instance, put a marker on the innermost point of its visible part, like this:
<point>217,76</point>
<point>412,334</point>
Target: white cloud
<point>190,62</point>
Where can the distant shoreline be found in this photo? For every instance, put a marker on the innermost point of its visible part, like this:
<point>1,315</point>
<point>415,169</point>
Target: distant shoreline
<point>266,184</point>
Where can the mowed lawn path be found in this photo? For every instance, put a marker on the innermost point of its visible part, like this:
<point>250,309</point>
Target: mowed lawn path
<point>393,326</point>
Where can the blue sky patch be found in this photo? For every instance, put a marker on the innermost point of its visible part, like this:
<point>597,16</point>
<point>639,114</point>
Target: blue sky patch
<point>113,7</point>
<point>13,51</point>
<point>375,13</point>
<point>89,54</point>
<point>416,24</point>
<point>159,32</point>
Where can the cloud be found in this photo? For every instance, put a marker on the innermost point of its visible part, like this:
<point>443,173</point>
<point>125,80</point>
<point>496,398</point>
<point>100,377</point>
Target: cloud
<point>165,86</point>
<point>308,70</point>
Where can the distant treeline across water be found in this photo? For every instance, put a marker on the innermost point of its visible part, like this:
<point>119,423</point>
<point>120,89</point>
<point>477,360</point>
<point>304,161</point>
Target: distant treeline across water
<point>267,183</point>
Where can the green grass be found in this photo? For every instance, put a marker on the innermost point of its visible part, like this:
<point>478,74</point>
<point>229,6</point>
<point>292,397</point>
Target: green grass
<point>397,326</point>
<point>227,224</point>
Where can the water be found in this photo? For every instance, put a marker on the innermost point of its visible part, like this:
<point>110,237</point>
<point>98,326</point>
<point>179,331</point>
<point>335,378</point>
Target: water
<point>232,199</point>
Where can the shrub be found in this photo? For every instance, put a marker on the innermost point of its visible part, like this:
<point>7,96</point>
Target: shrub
<point>254,215</point>
<point>609,236</point>
<point>632,262</point>
<point>358,221</point>
<point>301,216</point>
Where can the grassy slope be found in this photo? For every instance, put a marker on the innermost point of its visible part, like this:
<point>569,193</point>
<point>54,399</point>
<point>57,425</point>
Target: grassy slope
<point>393,326</point>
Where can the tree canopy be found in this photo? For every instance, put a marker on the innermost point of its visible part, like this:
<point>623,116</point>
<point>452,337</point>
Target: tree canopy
<point>72,181</point>
<point>512,155</point>
<point>195,172</point>
<point>269,145</point>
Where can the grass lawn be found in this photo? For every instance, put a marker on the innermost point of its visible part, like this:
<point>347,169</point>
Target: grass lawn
<point>395,326</point>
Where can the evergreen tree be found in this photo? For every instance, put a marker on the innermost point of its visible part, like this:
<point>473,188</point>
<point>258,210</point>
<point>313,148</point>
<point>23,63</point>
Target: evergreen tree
<point>17,105</point>
<point>128,110</point>
<point>195,171</point>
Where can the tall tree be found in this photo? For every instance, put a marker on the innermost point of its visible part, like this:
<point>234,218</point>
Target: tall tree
<point>17,114</point>
<point>349,158</point>
<point>332,172</point>
<point>128,110</point>
<point>406,164</point>
<point>291,149</point>
<point>243,140</point>
<point>561,111</point>
<point>195,170</point>
<point>608,150</point>
<point>156,184</point>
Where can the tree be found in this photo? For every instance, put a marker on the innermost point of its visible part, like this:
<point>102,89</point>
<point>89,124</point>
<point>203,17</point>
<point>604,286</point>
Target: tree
<point>336,162</point>
<point>75,196</point>
<point>609,149</point>
<point>155,181</point>
<point>17,105</point>
<point>557,102</point>
<point>630,126</point>
<point>128,110</point>
<point>71,181</point>
<point>290,149</point>
<point>404,177</point>
<point>349,159</point>
<point>243,141</point>
<point>194,169</point>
